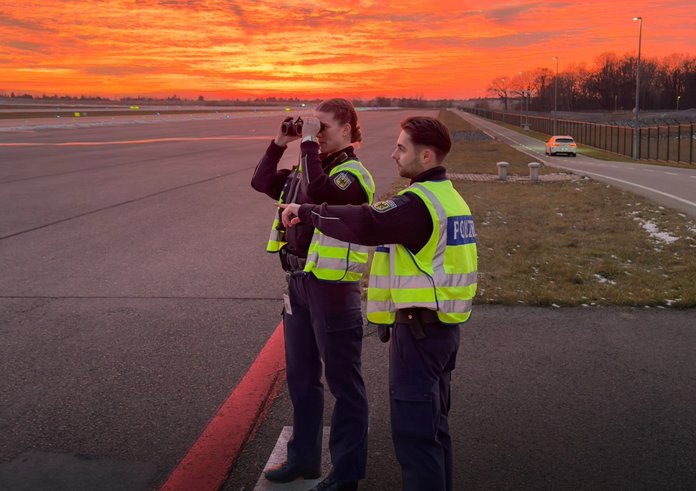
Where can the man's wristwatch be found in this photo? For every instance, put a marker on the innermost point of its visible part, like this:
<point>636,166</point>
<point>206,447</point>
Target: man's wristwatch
<point>310,138</point>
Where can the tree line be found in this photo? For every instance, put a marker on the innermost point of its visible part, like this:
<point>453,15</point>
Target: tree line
<point>610,85</point>
<point>258,101</point>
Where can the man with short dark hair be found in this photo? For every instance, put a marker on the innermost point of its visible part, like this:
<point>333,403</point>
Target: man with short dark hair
<point>422,283</point>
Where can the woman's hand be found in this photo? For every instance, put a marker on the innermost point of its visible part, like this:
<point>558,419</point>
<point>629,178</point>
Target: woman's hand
<point>281,139</point>
<point>311,126</point>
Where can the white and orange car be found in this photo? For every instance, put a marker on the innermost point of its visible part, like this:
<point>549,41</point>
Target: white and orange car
<point>561,144</point>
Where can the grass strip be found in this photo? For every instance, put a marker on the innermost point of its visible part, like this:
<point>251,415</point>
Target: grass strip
<point>571,243</point>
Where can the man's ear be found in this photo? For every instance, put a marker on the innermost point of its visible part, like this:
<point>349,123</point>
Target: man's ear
<point>427,157</point>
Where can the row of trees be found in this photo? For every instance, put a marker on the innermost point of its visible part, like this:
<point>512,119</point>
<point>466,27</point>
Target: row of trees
<point>609,85</point>
<point>259,101</point>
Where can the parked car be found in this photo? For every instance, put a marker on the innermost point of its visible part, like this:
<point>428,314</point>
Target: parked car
<point>561,144</point>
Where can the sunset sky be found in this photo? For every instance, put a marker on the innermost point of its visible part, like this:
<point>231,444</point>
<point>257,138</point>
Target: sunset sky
<point>353,48</point>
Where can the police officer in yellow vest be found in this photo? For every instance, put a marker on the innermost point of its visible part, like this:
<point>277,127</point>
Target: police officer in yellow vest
<point>322,316</point>
<point>422,283</point>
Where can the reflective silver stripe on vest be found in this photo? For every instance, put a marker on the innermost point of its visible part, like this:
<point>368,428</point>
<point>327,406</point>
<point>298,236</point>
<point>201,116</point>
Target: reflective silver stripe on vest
<point>446,306</point>
<point>335,263</point>
<point>439,258</point>
<point>401,282</point>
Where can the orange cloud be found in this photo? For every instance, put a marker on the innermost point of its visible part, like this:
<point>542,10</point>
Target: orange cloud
<point>356,48</point>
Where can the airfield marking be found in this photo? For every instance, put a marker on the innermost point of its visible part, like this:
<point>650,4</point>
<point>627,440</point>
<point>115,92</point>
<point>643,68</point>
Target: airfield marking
<point>134,142</point>
<point>207,463</point>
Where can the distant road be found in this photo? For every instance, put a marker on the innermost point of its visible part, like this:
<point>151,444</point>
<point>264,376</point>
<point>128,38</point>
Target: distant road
<point>670,186</point>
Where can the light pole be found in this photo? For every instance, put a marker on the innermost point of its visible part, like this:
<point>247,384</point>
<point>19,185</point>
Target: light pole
<point>523,100</point>
<point>678,97</point>
<point>526,116</point>
<point>555,98</point>
<point>637,108</point>
<point>524,108</point>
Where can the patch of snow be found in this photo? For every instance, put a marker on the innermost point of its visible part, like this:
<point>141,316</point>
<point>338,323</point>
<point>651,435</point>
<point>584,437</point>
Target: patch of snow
<point>602,279</point>
<point>652,229</point>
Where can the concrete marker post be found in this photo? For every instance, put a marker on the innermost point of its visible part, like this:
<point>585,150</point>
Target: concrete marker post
<point>502,170</point>
<point>534,171</point>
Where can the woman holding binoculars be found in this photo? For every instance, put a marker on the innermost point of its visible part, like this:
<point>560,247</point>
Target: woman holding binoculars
<point>322,316</point>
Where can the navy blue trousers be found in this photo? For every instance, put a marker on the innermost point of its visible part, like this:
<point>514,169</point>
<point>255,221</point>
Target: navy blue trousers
<point>326,326</point>
<point>419,387</point>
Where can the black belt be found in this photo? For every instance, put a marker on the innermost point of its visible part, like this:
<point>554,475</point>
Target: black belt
<point>411,316</point>
<point>414,318</point>
<point>290,262</point>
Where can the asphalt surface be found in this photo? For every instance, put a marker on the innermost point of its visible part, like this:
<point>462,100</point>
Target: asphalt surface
<point>134,295</point>
<point>134,290</point>
<point>573,398</point>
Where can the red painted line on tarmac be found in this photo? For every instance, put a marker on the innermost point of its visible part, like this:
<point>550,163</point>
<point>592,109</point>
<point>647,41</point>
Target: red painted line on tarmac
<point>133,142</point>
<point>207,464</point>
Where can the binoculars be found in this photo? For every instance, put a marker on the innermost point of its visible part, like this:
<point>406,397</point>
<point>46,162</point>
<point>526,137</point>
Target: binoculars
<point>294,128</point>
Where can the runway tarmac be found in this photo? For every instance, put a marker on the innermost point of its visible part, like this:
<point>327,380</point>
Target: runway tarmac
<point>134,296</point>
<point>135,291</point>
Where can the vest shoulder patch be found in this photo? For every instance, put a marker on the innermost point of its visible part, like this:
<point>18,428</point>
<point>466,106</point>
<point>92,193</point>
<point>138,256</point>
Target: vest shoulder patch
<point>343,180</point>
<point>384,206</point>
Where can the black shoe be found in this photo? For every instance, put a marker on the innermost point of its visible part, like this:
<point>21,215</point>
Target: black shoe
<point>289,472</point>
<point>329,484</point>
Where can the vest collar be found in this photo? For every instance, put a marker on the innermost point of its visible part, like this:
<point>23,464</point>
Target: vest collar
<point>331,160</point>
<point>438,173</point>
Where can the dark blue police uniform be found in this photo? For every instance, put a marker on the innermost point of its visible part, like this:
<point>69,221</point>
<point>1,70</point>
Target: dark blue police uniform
<point>423,350</point>
<point>323,325</point>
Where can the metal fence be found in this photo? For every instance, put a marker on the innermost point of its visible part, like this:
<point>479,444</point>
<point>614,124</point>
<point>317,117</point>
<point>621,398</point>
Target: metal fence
<point>668,143</point>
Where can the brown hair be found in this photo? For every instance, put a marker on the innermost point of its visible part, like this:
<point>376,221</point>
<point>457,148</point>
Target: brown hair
<point>344,112</point>
<point>429,132</point>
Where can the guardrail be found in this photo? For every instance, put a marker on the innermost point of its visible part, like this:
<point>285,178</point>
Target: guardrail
<point>668,143</point>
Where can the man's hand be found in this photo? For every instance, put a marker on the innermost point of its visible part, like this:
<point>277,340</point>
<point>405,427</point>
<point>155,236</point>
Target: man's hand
<point>290,212</point>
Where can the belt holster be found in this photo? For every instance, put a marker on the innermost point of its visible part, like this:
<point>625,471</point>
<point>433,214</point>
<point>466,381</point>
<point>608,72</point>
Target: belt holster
<point>290,262</point>
<point>415,319</point>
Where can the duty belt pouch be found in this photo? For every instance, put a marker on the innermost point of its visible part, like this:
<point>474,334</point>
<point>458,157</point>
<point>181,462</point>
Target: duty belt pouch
<point>415,319</point>
<point>291,262</point>
<point>283,254</point>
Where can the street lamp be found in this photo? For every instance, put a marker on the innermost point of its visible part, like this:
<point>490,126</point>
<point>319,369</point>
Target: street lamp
<point>555,98</point>
<point>637,108</point>
<point>526,117</point>
<point>678,97</point>
<point>526,95</point>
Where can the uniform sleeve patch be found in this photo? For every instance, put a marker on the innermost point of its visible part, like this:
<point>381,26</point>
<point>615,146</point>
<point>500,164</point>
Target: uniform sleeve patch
<point>343,180</point>
<point>384,206</point>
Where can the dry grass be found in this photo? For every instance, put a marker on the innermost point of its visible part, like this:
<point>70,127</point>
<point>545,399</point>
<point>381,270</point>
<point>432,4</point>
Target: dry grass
<point>581,242</point>
<point>570,243</point>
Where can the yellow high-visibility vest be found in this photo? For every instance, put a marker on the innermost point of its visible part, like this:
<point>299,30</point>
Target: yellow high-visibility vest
<point>276,241</point>
<point>441,276</point>
<point>335,260</point>
<point>331,259</point>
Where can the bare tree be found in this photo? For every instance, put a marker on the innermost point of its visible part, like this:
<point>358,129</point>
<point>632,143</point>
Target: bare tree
<point>500,88</point>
